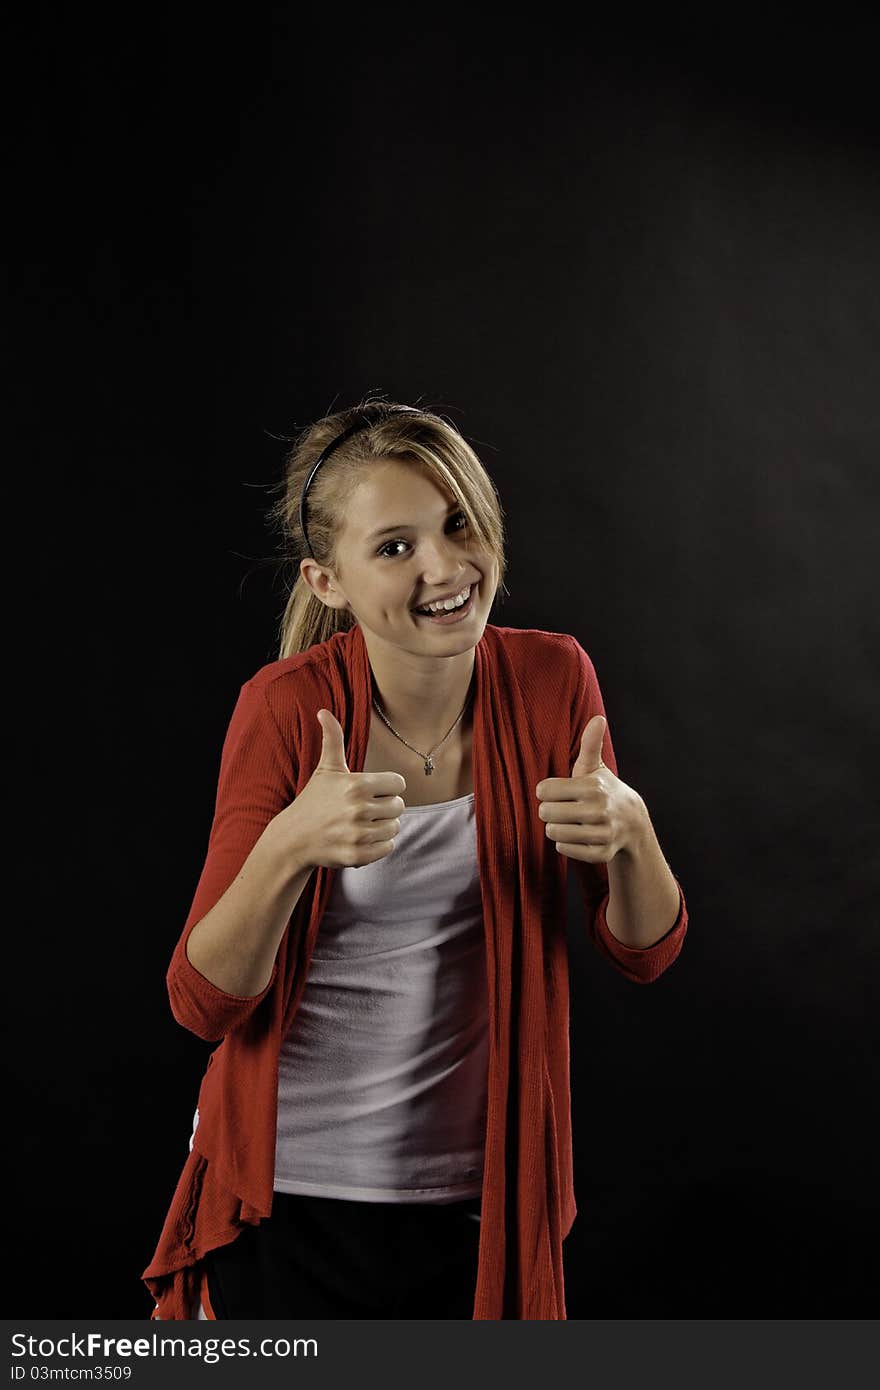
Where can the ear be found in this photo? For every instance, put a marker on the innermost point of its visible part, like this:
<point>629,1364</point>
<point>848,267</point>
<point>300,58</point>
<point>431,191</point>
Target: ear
<point>323,583</point>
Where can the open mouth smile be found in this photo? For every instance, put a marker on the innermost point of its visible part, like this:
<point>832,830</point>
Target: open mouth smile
<point>448,617</point>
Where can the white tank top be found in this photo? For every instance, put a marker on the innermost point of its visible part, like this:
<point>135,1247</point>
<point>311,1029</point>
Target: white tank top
<point>382,1082</point>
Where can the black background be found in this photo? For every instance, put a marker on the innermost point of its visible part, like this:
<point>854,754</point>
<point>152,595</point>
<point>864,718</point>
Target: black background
<point>640,271</point>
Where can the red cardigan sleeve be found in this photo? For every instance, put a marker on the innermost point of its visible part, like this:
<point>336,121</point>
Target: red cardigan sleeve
<point>641,966</point>
<point>256,782</point>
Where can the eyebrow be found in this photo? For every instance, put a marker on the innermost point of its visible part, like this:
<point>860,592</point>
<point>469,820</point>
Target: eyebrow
<point>407,525</point>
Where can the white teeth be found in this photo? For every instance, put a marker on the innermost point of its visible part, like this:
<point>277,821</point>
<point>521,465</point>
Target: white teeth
<point>448,604</point>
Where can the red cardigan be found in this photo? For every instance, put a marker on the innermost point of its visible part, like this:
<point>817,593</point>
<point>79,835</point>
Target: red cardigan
<point>535,692</point>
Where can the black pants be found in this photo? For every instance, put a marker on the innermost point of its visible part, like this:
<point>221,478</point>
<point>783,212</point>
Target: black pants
<point>322,1257</point>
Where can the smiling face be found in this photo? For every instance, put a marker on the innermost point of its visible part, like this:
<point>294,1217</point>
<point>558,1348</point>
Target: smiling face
<point>404,543</point>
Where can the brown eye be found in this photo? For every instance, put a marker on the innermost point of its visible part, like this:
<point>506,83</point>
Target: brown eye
<point>383,549</point>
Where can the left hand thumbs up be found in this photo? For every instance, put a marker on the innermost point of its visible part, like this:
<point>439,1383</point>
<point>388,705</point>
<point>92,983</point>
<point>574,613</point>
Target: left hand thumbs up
<point>591,815</point>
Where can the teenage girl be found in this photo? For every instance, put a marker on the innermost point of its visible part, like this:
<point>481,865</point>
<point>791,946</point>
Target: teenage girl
<point>393,525</point>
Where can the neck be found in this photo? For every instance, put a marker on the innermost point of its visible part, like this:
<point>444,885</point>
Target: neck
<point>421,696</point>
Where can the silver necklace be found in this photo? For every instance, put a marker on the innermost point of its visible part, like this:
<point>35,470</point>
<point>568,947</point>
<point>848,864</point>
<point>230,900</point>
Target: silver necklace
<point>428,757</point>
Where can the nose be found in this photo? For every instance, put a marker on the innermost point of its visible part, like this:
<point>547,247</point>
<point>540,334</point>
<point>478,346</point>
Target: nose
<point>441,562</point>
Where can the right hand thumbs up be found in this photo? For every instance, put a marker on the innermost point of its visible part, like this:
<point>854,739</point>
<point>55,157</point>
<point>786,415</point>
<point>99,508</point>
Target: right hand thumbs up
<point>332,757</point>
<point>342,819</point>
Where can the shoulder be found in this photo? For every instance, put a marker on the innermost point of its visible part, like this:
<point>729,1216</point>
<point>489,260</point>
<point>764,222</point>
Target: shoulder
<point>538,654</point>
<point>298,683</point>
<point>292,673</point>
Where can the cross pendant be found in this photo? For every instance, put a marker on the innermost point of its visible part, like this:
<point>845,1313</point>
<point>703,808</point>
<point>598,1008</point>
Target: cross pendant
<point>429,766</point>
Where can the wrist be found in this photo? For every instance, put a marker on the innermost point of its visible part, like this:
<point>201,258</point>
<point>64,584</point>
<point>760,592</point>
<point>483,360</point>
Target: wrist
<point>640,830</point>
<point>285,845</point>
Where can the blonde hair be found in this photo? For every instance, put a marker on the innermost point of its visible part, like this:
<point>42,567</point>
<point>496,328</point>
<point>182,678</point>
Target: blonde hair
<point>423,439</point>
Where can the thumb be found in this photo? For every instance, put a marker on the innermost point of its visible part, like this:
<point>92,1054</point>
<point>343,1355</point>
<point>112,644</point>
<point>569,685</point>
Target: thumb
<point>332,757</point>
<point>589,759</point>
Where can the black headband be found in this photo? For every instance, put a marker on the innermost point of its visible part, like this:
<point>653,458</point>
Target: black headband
<point>360,424</point>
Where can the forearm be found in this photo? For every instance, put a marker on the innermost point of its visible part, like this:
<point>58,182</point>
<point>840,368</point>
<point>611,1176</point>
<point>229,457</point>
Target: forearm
<point>644,899</point>
<point>235,944</point>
